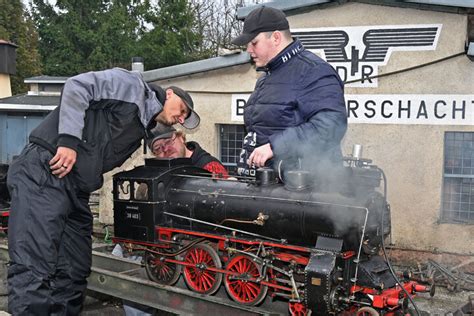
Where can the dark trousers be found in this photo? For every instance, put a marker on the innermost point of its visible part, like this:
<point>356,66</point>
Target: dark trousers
<point>49,238</point>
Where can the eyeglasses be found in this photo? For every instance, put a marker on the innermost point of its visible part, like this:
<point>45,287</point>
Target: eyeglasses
<point>159,147</point>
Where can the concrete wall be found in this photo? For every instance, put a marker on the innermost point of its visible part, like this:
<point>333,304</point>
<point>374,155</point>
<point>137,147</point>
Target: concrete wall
<point>410,154</point>
<point>5,86</point>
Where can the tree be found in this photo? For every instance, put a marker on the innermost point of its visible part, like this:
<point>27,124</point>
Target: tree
<point>117,37</point>
<point>216,21</point>
<point>17,27</point>
<point>78,36</point>
<point>172,38</point>
<point>66,33</point>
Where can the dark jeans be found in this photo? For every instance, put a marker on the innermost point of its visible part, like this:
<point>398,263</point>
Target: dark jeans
<point>49,238</point>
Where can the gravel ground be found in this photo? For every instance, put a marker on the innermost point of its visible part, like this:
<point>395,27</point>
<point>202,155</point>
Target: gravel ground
<point>443,301</point>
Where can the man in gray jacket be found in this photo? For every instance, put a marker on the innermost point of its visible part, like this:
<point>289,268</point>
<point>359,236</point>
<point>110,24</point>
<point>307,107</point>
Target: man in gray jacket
<point>99,123</point>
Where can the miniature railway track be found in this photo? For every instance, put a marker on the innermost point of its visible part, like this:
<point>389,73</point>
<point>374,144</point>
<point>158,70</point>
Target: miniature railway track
<point>121,278</point>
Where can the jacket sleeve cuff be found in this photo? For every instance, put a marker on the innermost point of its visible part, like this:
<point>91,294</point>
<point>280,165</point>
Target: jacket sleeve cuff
<point>68,141</point>
<point>274,144</point>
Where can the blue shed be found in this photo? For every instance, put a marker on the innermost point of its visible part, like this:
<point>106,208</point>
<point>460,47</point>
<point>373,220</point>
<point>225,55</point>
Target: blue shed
<point>20,114</point>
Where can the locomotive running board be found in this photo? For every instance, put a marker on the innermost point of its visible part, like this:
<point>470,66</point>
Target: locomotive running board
<point>120,277</point>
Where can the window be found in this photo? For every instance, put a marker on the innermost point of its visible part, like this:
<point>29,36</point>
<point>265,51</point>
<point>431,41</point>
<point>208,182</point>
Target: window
<point>230,141</point>
<point>458,184</point>
<point>123,189</point>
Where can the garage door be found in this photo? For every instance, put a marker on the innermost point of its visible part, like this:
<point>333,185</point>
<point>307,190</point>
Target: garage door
<point>14,131</point>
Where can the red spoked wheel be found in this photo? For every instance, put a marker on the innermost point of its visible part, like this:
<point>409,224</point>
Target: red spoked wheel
<point>242,287</point>
<point>297,309</point>
<point>160,271</point>
<point>197,277</point>
<point>367,311</point>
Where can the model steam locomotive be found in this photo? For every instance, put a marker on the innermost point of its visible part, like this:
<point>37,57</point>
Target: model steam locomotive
<point>314,245</point>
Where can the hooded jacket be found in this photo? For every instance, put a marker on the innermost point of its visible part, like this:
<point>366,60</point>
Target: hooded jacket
<point>298,107</point>
<point>102,116</point>
<point>202,159</point>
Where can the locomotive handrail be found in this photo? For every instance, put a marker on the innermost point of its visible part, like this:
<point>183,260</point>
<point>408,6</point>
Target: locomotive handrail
<point>224,227</point>
<point>270,198</point>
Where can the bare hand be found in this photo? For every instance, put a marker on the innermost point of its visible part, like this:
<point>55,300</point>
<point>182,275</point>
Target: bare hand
<point>260,155</point>
<point>61,164</point>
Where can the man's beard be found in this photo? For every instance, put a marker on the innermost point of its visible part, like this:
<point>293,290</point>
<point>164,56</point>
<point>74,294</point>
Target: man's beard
<point>163,120</point>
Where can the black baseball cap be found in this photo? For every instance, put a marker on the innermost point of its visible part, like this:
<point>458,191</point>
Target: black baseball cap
<point>161,131</point>
<point>262,19</point>
<point>193,119</point>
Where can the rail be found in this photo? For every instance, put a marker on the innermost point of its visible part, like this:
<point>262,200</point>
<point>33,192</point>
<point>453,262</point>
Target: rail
<point>122,278</point>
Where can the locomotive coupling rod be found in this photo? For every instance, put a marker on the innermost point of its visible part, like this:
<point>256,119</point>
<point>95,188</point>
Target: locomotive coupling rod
<point>223,227</point>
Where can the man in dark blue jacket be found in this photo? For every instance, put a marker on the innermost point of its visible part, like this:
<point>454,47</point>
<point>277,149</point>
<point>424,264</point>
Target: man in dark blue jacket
<point>296,117</point>
<point>99,123</point>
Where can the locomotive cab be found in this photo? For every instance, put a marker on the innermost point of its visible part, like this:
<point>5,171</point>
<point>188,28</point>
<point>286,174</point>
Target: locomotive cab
<point>139,196</point>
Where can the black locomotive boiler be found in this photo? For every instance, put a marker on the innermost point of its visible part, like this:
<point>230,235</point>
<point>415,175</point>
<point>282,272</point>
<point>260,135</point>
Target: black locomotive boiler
<point>313,244</point>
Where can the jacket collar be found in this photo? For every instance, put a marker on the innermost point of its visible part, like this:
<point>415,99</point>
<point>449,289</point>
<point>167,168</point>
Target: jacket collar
<point>293,49</point>
<point>153,107</point>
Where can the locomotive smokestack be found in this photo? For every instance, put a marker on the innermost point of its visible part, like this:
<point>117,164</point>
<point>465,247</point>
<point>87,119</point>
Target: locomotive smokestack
<point>357,151</point>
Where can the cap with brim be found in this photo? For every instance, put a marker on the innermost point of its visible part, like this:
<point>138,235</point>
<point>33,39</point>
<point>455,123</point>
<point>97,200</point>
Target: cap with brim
<point>262,19</point>
<point>161,131</point>
<point>193,119</point>
<point>159,92</point>
<point>244,38</point>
